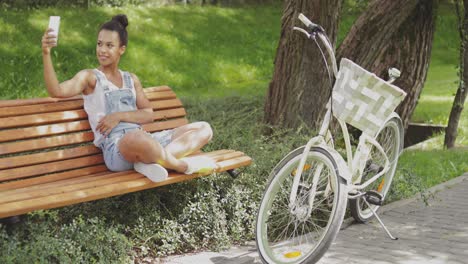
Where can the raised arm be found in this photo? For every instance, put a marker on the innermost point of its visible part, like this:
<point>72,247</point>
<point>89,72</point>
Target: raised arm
<point>69,88</point>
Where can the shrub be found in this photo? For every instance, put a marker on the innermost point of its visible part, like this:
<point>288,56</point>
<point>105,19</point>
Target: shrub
<point>81,241</point>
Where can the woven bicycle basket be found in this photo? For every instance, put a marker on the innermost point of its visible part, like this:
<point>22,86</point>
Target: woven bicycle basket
<point>362,99</point>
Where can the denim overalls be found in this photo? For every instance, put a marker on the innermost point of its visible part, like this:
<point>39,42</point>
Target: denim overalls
<point>122,100</point>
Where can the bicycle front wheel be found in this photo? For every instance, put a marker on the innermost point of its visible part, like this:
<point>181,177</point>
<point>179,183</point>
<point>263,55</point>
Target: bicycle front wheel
<point>302,234</point>
<point>390,138</point>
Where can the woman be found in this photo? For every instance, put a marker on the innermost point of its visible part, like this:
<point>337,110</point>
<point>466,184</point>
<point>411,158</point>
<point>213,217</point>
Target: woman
<point>117,106</point>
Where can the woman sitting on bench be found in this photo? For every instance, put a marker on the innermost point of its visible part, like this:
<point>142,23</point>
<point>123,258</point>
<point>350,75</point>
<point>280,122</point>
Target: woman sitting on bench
<point>117,106</point>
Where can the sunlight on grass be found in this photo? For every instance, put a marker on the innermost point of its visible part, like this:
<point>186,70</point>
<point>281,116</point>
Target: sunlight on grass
<point>435,166</point>
<point>197,51</point>
<point>435,102</point>
<point>435,98</point>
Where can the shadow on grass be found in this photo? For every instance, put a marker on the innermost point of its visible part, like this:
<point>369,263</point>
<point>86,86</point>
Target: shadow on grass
<point>195,50</point>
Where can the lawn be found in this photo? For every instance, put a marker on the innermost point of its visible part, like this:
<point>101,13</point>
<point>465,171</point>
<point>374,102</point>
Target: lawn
<point>203,52</point>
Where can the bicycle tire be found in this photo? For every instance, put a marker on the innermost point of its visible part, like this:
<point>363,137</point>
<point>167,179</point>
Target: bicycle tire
<point>280,180</point>
<point>391,138</point>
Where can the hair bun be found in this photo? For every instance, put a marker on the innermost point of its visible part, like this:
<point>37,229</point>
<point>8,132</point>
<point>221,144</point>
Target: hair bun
<point>121,19</point>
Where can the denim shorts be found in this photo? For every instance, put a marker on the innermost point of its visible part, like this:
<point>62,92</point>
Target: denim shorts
<point>110,148</point>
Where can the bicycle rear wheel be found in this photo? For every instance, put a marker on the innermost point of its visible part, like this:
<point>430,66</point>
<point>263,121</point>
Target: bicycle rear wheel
<point>304,234</point>
<point>390,138</point>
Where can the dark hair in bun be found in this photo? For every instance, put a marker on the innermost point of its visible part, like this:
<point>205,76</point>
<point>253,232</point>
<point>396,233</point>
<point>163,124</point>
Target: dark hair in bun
<point>119,24</point>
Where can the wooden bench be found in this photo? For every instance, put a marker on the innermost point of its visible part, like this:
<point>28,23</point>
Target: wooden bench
<point>47,159</point>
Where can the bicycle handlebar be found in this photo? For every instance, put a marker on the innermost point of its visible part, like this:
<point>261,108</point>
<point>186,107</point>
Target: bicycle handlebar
<point>317,30</point>
<point>309,24</point>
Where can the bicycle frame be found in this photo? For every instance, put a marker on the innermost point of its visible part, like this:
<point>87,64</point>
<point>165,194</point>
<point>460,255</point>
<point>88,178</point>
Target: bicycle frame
<point>355,163</point>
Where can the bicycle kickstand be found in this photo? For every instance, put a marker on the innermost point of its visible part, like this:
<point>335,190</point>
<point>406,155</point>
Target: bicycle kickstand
<point>380,221</point>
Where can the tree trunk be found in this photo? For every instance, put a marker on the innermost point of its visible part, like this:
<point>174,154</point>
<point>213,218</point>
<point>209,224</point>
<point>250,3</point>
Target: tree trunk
<point>460,97</point>
<point>300,89</point>
<point>399,34</point>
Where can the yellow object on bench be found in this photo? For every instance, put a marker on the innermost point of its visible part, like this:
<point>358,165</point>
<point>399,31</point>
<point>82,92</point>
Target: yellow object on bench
<point>47,159</point>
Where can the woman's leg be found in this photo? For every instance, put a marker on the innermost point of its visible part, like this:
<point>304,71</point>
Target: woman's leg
<point>138,146</point>
<point>189,138</point>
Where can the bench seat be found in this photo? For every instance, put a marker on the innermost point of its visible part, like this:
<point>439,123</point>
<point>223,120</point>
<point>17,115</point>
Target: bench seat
<point>47,159</point>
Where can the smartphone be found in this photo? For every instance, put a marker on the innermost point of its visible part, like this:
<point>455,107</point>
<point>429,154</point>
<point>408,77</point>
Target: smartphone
<point>54,23</point>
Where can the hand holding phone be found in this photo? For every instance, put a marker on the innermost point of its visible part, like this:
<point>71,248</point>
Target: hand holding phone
<point>54,23</point>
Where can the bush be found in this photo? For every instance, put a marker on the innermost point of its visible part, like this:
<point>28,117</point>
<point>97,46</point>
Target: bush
<point>81,241</point>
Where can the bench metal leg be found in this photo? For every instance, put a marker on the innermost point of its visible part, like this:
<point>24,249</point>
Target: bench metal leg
<point>234,173</point>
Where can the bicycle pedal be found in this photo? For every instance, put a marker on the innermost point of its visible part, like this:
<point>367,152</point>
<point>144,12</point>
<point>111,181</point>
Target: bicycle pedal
<point>374,198</point>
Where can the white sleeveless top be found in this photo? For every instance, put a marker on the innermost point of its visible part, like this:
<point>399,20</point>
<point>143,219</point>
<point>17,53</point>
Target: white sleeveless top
<point>95,104</point>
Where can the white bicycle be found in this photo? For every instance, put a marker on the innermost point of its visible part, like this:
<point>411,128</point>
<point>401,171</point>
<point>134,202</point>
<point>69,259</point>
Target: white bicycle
<point>304,204</point>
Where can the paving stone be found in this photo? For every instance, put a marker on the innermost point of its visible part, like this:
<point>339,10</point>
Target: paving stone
<point>434,234</point>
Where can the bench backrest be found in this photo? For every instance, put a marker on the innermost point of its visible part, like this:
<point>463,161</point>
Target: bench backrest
<point>53,136</point>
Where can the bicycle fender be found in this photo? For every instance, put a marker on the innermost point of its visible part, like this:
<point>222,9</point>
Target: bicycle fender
<point>402,130</point>
<point>341,165</point>
<point>280,164</point>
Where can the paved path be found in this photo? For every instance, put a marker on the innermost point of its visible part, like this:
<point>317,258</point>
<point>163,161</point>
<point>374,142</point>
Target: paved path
<point>428,234</point>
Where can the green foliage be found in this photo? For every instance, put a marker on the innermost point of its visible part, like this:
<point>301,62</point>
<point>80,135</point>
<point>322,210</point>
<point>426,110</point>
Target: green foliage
<point>80,241</point>
<point>442,81</point>
<point>241,210</point>
<point>199,51</point>
<point>419,170</point>
<point>205,217</point>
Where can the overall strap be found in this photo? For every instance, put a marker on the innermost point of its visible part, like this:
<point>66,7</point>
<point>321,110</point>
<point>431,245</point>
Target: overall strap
<point>127,80</point>
<point>102,80</point>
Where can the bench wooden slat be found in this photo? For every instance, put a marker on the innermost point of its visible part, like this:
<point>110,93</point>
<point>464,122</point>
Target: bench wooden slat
<point>235,163</point>
<point>74,197</point>
<point>71,115</point>
<point>40,169</point>
<point>62,177</point>
<point>56,129</point>
<point>76,138</point>
<point>157,89</point>
<point>51,178</point>
<point>45,130</point>
<point>55,185</point>
<point>42,108</point>
<point>36,101</point>
<point>33,101</point>
<point>69,105</point>
<point>166,104</point>
<point>41,119</point>
<point>82,183</point>
<point>44,143</point>
<point>55,166</point>
<point>40,158</point>
<point>161,95</point>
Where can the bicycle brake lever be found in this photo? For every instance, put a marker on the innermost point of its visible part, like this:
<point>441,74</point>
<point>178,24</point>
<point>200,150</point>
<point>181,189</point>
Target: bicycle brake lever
<point>303,31</point>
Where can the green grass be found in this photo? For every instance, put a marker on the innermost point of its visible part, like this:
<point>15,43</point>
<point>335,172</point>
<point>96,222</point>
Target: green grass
<point>205,52</point>
<point>441,85</point>
<point>442,79</point>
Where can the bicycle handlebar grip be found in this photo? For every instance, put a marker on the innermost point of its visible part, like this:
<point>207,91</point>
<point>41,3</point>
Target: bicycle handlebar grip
<point>307,22</point>
<point>394,73</point>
